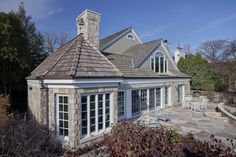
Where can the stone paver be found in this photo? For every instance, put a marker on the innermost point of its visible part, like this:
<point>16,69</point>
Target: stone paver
<point>198,123</point>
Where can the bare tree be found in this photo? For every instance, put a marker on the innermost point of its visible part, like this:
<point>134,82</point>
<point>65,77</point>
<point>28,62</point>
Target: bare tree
<point>62,39</point>
<point>214,51</point>
<point>231,50</point>
<point>51,40</point>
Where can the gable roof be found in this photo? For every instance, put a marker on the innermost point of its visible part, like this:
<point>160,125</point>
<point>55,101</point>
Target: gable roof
<point>109,40</point>
<point>124,64</point>
<point>106,40</point>
<point>141,51</point>
<point>75,59</point>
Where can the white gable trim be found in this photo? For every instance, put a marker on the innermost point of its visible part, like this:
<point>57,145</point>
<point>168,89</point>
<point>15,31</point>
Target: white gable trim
<point>120,36</point>
<point>136,35</point>
<point>169,55</point>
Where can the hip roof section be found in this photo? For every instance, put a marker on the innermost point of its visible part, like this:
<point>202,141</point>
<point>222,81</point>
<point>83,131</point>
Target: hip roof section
<point>76,59</point>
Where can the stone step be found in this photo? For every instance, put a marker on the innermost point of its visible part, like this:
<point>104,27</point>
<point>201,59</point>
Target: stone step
<point>216,116</point>
<point>212,114</point>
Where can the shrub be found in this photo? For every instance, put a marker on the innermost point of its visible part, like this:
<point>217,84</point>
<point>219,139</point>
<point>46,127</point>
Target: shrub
<point>136,139</point>
<point>22,137</point>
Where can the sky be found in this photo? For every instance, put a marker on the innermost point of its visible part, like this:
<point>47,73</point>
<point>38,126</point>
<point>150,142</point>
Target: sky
<point>178,21</point>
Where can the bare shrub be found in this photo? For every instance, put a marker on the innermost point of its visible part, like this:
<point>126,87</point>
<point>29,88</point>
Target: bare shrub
<point>20,136</point>
<point>136,139</point>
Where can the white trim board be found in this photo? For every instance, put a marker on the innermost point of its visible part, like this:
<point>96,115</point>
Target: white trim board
<point>136,81</point>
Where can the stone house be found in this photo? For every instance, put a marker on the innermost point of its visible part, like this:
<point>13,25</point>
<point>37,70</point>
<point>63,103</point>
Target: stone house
<point>85,86</point>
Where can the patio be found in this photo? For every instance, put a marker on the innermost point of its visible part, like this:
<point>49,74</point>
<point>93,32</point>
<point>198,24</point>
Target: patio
<point>201,124</point>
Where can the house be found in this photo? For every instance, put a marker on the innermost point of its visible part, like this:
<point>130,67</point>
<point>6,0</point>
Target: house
<point>87,85</point>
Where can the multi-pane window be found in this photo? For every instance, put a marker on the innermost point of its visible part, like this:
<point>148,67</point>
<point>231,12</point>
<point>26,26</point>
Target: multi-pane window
<point>95,113</point>
<point>135,102</point>
<point>158,97</point>
<point>166,95</point>
<point>121,104</point>
<point>151,98</point>
<point>100,111</point>
<point>63,119</point>
<point>84,115</point>
<point>158,62</point>
<point>107,107</point>
<point>143,99</point>
<point>92,113</point>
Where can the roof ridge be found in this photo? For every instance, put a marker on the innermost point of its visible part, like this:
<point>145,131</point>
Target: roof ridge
<point>62,55</point>
<point>76,66</point>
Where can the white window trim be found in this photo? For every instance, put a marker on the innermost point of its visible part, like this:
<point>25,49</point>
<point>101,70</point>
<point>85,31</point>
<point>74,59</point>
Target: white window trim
<point>165,69</point>
<point>127,36</point>
<point>162,101</point>
<point>61,137</point>
<point>124,99</point>
<point>96,132</point>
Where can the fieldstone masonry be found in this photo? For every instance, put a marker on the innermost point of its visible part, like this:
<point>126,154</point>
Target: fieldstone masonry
<point>88,23</point>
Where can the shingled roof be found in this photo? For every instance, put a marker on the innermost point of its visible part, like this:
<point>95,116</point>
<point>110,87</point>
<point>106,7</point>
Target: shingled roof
<point>106,40</point>
<point>141,51</point>
<point>124,64</point>
<point>76,59</point>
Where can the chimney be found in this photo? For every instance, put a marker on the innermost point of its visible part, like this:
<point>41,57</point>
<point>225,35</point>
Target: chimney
<point>88,23</point>
<point>179,53</point>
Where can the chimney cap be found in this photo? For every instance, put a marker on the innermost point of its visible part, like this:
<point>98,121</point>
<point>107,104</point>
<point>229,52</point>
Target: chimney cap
<point>87,10</point>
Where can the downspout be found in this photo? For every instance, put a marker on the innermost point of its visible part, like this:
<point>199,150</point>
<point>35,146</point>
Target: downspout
<point>46,101</point>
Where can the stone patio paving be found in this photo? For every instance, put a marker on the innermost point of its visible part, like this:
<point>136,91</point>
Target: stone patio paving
<point>199,123</point>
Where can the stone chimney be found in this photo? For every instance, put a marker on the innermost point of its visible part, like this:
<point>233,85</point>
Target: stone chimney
<point>179,53</point>
<point>88,23</point>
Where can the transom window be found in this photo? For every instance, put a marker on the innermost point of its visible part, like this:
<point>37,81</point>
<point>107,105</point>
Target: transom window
<point>121,104</point>
<point>95,113</point>
<point>62,114</point>
<point>158,62</point>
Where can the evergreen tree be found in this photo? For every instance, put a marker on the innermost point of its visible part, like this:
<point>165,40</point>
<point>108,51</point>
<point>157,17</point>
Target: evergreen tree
<point>36,40</point>
<point>14,51</point>
<point>199,69</point>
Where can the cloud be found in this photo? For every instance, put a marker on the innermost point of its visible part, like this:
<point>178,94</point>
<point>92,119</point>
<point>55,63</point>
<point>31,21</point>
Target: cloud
<point>215,23</point>
<point>36,8</point>
<point>54,11</point>
<point>51,12</point>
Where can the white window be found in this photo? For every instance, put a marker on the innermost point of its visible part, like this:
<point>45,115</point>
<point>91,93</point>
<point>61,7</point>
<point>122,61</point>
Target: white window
<point>121,104</point>
<point>135,102</point>
<point>143,99</point>
<point>62,115</point>
<point>95,113</point>
<point>158,62</point>
<point>151,98</point>
<point>158,97</point>
<point>166,95</point>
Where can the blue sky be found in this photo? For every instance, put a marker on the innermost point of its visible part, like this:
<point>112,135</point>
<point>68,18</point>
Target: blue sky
<point>180,21</point>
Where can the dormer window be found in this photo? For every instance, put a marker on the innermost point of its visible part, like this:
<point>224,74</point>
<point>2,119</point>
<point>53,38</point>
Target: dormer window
<point>158,62</point>
<point>130,36</point>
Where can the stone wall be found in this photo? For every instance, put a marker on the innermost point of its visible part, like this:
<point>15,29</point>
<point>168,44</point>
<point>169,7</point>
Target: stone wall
<point>226,97</point>
<point>34,103</point>
<point>74,141</point>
